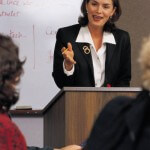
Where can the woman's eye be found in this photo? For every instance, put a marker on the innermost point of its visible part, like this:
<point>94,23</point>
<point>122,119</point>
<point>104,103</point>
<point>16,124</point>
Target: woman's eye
<point>94,4</point>
<point>106,6</point>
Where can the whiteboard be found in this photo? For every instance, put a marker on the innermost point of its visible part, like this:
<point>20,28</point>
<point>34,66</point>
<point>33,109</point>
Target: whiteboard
<point>33,25</point>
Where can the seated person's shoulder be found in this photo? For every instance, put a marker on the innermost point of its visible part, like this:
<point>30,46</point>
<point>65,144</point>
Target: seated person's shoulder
<point>6,123</point>
<point>10,134</point>
<point>115,106</point>
<point>120,101</point>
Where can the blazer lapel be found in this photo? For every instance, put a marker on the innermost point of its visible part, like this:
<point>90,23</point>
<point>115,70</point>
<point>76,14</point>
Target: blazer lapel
<point>110,48</point>
<point>87,55</point>
<point>86,51</point>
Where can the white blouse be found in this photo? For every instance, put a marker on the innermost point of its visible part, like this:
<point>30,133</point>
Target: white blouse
<point>98,57</point>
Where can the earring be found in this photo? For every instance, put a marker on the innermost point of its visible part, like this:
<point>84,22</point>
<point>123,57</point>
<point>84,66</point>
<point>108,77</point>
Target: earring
<point>110,19</point>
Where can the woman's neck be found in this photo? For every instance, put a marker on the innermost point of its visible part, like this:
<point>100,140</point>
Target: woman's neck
<point>96,32</point>
<point>97,36</point>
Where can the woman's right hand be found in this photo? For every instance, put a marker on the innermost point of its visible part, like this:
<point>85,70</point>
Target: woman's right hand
<point>68,55</point>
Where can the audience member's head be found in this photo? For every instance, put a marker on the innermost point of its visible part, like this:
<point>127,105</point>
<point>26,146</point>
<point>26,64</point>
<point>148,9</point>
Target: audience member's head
<point>144,60</point>
<point>10,72</point>
<point>11,69</point>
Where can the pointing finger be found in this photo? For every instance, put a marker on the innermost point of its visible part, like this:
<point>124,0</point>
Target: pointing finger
<point>69,46</point>
<point>63,49</point>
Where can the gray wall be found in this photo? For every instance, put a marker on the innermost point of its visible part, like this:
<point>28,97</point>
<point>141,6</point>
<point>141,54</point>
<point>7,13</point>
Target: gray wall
<point>32,128</point>
<point>135,20</point>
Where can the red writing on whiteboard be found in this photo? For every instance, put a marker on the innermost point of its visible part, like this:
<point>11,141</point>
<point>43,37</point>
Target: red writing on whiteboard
<point>9,14</point>
<point>50,31</point>
<point>1,1</point>
<point>51,56</point>
<point>13,2</point>
<point>10,2</point>
<point>27,2</point>
<point>16,35</point>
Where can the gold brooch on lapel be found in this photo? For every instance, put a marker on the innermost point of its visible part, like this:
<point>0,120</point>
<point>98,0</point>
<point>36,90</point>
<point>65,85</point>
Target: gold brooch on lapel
<point>86,49</point>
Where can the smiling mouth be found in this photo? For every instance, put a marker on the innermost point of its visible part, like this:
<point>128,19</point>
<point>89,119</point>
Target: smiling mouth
<point>97,18</point>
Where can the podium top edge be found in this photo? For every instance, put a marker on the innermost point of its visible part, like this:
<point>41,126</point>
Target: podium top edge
<point>90,89</point>
<point>103,89</point>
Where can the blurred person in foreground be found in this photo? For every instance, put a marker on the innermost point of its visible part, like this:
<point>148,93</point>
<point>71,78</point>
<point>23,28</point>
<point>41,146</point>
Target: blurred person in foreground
<point>124,123</point>
<point>11,69</point>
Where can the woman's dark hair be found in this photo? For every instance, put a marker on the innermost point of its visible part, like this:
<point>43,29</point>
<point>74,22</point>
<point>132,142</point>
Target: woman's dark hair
<point>109,26</point>
<point>10,72</point>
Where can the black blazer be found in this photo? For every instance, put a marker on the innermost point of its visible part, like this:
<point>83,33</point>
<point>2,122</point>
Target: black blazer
<point>117,65</point>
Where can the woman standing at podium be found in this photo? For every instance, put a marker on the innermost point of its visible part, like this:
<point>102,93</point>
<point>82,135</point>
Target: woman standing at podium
<point>93,53</point>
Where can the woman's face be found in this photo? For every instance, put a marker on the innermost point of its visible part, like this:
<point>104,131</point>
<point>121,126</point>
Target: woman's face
<point>99,11</point>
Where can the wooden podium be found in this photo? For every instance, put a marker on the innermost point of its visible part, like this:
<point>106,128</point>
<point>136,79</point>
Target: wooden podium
<point>69,117</point>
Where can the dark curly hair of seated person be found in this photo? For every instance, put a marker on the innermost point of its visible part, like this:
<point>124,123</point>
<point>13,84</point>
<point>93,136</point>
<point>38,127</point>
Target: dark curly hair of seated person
<point>11,69</point>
